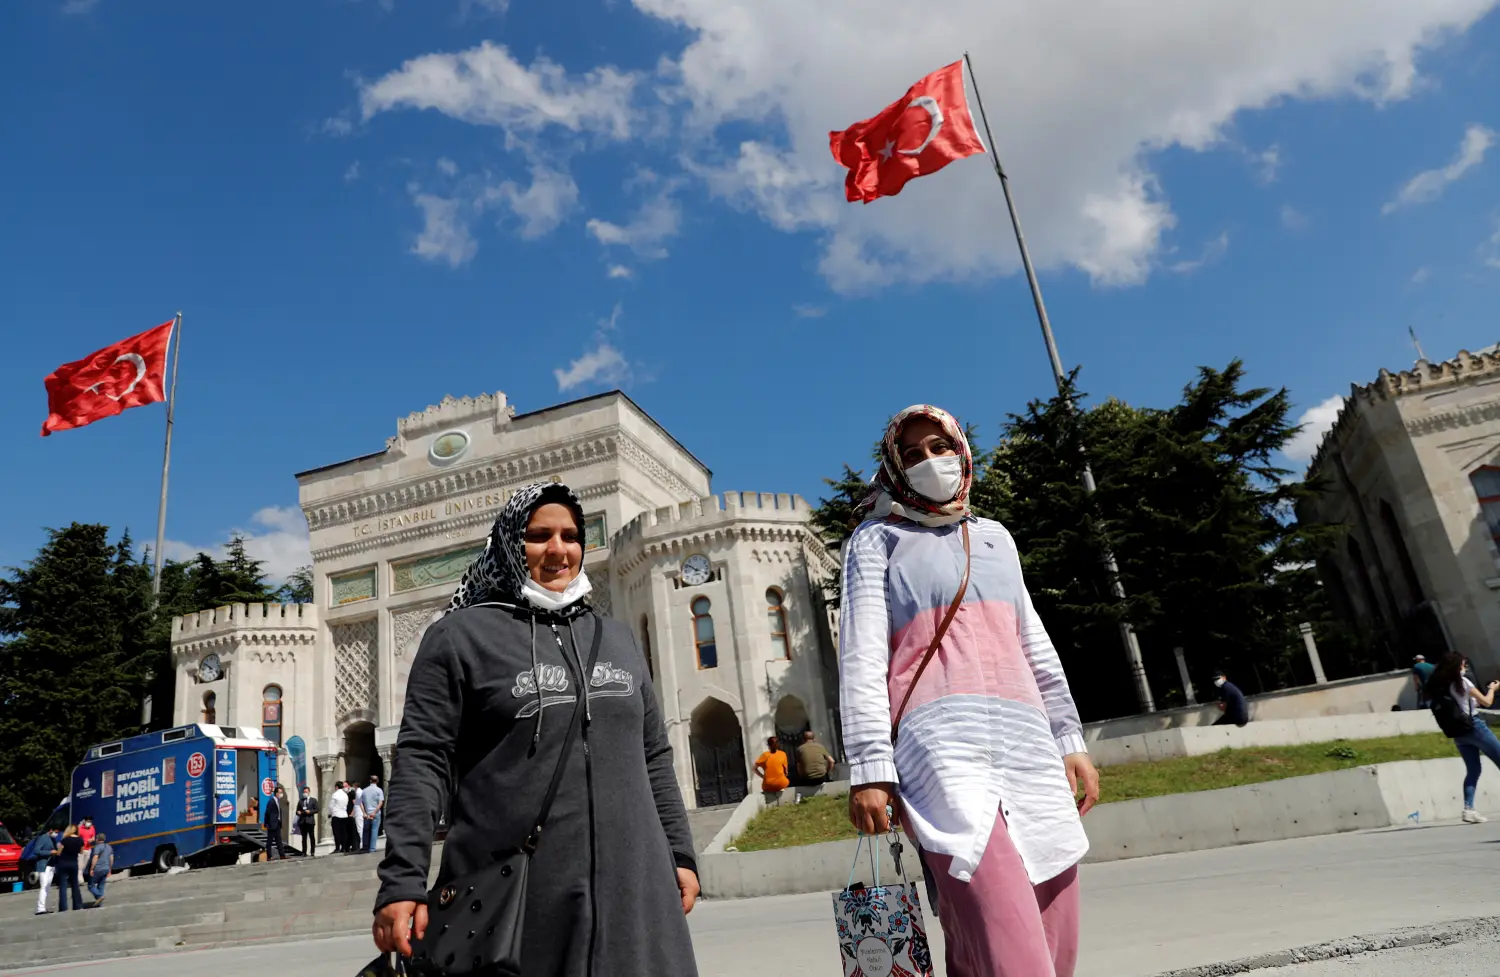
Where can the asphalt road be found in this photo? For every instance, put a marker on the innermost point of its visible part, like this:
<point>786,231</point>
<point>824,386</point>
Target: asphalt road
<point>1141,917</point>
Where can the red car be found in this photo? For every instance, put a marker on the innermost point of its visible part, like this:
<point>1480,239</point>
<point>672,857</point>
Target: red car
<point>10,859</point>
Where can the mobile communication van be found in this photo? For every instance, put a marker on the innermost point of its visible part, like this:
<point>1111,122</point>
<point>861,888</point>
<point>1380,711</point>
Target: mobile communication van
<point>195,794</point>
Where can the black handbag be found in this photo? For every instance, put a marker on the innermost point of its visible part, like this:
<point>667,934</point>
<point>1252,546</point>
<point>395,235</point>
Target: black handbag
<point>475,922</point>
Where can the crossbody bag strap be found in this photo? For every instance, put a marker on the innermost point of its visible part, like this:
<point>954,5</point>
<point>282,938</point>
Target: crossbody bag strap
<point>529,845</point>
<point>937,638</point>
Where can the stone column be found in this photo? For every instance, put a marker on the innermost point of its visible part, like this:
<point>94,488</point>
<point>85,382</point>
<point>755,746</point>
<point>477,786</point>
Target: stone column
<point>1312,653</point>
<point>387,764</point>
<point>327,765</point>
<point>1187,680</point>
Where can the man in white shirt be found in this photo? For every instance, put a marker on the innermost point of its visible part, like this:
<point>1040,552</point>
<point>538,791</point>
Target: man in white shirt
<point>338,817</point>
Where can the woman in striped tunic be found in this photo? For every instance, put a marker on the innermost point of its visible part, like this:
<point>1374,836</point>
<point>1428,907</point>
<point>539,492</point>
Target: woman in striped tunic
<point>990,757</point>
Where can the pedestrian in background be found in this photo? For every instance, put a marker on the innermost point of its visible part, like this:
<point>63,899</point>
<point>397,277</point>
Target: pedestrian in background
<point>86,831</point>
<point>101,862</point>
<point>1232,702</point>
<point>275,814</point>
<point>985,766</point>
<point>1421,672</point>
<point>45,853</point>
<point>307,821</point>
<point>338,817</point>
<point>372,802</point>
<point>1455,678</point>
<point>69,870</point>
<point>772,766</point>
<point>357,812</point>
<point>814,762</point>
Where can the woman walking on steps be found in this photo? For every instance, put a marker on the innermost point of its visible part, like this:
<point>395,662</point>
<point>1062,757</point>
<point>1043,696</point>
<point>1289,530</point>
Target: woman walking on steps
<point>1454,677</point>
<point>500,703</point>
<point>956,712</point>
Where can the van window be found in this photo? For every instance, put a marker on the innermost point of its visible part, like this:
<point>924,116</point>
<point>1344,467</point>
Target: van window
<point>61,818</point>
<point>173,735</point>
<point>111,749</point>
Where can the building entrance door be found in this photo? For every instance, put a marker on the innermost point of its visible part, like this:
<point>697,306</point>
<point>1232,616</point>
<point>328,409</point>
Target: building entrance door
<point>718,755</point>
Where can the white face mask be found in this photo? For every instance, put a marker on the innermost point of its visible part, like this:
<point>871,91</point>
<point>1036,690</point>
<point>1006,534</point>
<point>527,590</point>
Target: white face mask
<point>937,479</point>
<point>1220,680</point>
<point>538,596</point>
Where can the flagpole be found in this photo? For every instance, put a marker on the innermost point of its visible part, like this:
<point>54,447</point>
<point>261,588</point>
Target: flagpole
<point>1111,566</point>
<point>166,459</point>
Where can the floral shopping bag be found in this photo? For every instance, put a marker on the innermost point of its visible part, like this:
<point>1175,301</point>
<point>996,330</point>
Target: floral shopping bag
<point>881,932</point>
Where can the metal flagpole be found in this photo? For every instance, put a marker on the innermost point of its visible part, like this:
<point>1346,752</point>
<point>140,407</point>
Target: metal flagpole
<point>166,459</point>
<point>1111,566</point>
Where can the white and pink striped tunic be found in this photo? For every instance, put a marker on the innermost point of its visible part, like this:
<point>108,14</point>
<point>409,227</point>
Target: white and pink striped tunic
<point>992,717</point>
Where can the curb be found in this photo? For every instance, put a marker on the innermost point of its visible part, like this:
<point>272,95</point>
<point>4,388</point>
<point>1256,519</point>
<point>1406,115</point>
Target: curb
<point>1438,934</point>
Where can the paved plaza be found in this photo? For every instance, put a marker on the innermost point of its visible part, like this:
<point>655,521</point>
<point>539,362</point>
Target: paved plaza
<point>1141,917</point>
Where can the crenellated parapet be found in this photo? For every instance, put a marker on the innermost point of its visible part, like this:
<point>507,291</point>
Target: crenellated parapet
<point>279,628</point>
<point>734,517</point>
<point>1426,379</point>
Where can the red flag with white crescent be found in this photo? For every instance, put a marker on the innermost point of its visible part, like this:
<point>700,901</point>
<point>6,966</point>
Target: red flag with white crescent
<point>131,373</point>
<point>920,133</point>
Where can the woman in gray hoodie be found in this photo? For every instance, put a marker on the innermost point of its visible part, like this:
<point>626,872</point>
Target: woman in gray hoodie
<point>488,703</point>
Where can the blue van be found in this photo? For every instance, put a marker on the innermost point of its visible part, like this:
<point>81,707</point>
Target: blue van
<point>192,795</point>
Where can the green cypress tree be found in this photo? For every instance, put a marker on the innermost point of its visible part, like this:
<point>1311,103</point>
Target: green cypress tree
<point>72,665</point>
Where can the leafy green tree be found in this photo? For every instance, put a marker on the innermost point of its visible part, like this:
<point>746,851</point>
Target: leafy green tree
<point>298,588</point>
<point>74,662</point>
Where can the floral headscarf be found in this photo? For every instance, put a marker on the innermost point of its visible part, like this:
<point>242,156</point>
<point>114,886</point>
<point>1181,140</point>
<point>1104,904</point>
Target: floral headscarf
<point>500,572</point>
<point>892,494</point>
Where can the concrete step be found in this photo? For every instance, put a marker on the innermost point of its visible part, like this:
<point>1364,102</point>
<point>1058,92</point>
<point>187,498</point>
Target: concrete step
<point>301,924</point>
<point>28,956</point>
<point>88,925</point>
<point>705,822</point>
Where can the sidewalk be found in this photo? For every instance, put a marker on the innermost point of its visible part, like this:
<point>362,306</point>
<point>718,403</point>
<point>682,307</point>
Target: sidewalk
<point>1142,917</point>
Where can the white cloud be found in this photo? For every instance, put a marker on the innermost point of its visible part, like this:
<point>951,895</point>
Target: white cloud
<point>336,126</point>
<point>1293,219</point>
<point>277,537</point>
<point>543,205</point>
<point>809,311</point>
<point>445,232</point>
<point>1420,276</point>
<point>1489,251</point>
<point>609,324</point>
<point>1315,422</point>
<point>657,220</point>
<point>79,6</point>
<point>1080,156</point>
<point>467,7</point>
<point>446,166</point>
<point>352,173</point>
<point>619,271</point>
<point>1213,252</point>
<point>487,86</point>
<point>1428,185</point>
<point>1267,165</point>
<point>604,365</point>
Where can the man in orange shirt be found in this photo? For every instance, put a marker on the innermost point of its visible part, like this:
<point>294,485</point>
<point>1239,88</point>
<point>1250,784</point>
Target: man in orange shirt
<point>772,767</point>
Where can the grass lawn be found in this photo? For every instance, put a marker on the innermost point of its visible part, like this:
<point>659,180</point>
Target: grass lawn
<point>826,818</point>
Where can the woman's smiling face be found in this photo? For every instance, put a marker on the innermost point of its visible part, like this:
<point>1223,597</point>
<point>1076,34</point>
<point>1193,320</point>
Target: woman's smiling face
<point>554,547</point>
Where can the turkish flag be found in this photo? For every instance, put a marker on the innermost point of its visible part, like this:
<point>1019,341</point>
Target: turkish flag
<point>130,373</point>
<point>920,133</point>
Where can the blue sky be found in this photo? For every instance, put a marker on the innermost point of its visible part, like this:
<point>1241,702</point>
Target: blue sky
<point>361,206</point>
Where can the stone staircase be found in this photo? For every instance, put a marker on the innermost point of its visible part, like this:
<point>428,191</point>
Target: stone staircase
<point>705,822</point>
<point>296,898</point>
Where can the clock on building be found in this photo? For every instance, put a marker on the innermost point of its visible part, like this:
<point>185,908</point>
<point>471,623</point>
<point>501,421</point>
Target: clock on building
<point>696,570</point>
<point>209,669</point>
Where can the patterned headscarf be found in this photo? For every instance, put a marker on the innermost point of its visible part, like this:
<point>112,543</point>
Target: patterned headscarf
<point>892,493</point>
<point>501,569</point>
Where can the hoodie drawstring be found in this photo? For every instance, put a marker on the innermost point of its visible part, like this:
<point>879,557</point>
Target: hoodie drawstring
<point>536,677</point>
<point>586,680</point>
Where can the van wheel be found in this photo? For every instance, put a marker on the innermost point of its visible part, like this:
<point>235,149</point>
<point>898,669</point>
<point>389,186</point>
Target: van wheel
<point>165,858</point>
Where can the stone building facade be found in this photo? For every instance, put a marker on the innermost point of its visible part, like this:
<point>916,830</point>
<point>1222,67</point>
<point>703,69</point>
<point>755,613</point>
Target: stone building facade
<point>1412,469</point>
<point>725,594</point>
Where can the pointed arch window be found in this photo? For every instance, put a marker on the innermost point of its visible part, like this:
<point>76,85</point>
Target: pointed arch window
<point>270,713</point>
<point>703,634</point>
<point>781,647</point>
<point>1486,482</point>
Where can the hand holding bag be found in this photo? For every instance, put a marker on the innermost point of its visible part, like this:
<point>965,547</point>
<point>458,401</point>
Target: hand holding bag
<point>475,923</point>
<point>880,927</point>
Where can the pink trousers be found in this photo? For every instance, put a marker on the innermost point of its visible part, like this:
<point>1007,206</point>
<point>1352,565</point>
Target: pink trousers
<point>999,924</point>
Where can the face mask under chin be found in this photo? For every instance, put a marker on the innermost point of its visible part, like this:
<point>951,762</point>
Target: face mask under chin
<point>936,479</point>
